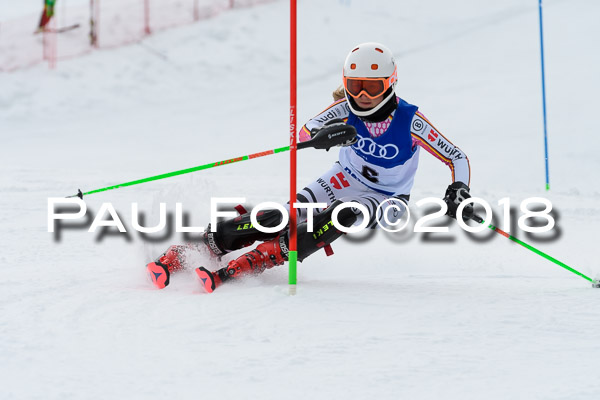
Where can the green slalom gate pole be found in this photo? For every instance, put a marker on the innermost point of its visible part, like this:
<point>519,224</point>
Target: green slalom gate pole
<point>185,171</point>
<point>480,220</point>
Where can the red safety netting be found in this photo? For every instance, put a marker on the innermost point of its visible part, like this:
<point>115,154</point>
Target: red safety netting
<point>77,29</point>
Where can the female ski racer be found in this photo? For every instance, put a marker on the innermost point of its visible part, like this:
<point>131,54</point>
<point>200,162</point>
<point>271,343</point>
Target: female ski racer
<point>377,166</point>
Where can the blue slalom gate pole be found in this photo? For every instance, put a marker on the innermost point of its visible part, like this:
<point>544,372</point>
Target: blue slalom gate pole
<point>544,96</point>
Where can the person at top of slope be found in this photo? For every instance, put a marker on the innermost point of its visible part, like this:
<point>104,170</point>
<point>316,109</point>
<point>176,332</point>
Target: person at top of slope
<point>377,166</point>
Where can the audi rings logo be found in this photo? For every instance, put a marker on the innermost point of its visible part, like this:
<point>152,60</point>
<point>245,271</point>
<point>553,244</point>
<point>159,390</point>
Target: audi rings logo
<point>369,147</point>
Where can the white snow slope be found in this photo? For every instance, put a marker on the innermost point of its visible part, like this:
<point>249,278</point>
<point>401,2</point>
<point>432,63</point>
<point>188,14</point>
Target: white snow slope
<point>409,316</point>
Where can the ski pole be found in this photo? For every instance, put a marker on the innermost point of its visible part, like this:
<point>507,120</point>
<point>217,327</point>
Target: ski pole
<point>480,220</point>
<point>184,171</point>
<point>333,135</point>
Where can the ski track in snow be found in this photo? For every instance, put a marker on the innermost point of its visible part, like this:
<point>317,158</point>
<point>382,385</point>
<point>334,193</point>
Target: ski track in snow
<point>389,317</point>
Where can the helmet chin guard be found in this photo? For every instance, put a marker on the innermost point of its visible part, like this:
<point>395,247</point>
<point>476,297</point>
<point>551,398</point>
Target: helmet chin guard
<point>367,61</point>
<point>367,113</point>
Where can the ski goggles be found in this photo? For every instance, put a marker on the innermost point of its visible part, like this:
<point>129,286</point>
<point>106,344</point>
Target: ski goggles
<point>371,87</point>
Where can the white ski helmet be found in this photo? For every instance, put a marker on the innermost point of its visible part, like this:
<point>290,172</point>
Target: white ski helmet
<point>370,69</point>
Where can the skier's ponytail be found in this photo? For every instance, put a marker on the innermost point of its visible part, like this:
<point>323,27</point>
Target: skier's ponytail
<point>339,93</point>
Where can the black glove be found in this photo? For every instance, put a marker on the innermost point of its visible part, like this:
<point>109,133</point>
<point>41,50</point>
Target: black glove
<point>334,133</point>
<point>335,125</point>
<point>456,194</point>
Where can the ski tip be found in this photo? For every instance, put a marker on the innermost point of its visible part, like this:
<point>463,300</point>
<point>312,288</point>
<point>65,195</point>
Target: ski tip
<point>596,284</point>
<point>206,278</point>
<point>158,274</point>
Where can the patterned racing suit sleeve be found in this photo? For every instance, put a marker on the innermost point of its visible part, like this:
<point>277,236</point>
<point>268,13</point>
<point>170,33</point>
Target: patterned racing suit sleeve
<point>424,134</point>
<point>337,110</point>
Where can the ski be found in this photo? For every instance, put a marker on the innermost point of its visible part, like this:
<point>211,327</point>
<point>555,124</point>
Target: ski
<point>65,28</point>
<point>208,280</point>
<point>58,30</point>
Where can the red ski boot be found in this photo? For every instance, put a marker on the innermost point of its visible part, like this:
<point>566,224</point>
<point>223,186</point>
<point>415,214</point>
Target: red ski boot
<point>236,233</point>
<point>161,269</point>
<point>265,255</point>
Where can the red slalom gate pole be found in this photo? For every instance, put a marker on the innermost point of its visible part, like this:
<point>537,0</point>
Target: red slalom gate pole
<point>293,250</point>
<point>147,17</point>
<point>196,11</point>
<point>52,43</point>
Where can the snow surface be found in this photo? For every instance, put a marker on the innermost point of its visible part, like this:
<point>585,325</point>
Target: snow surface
<point>443,316</point>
